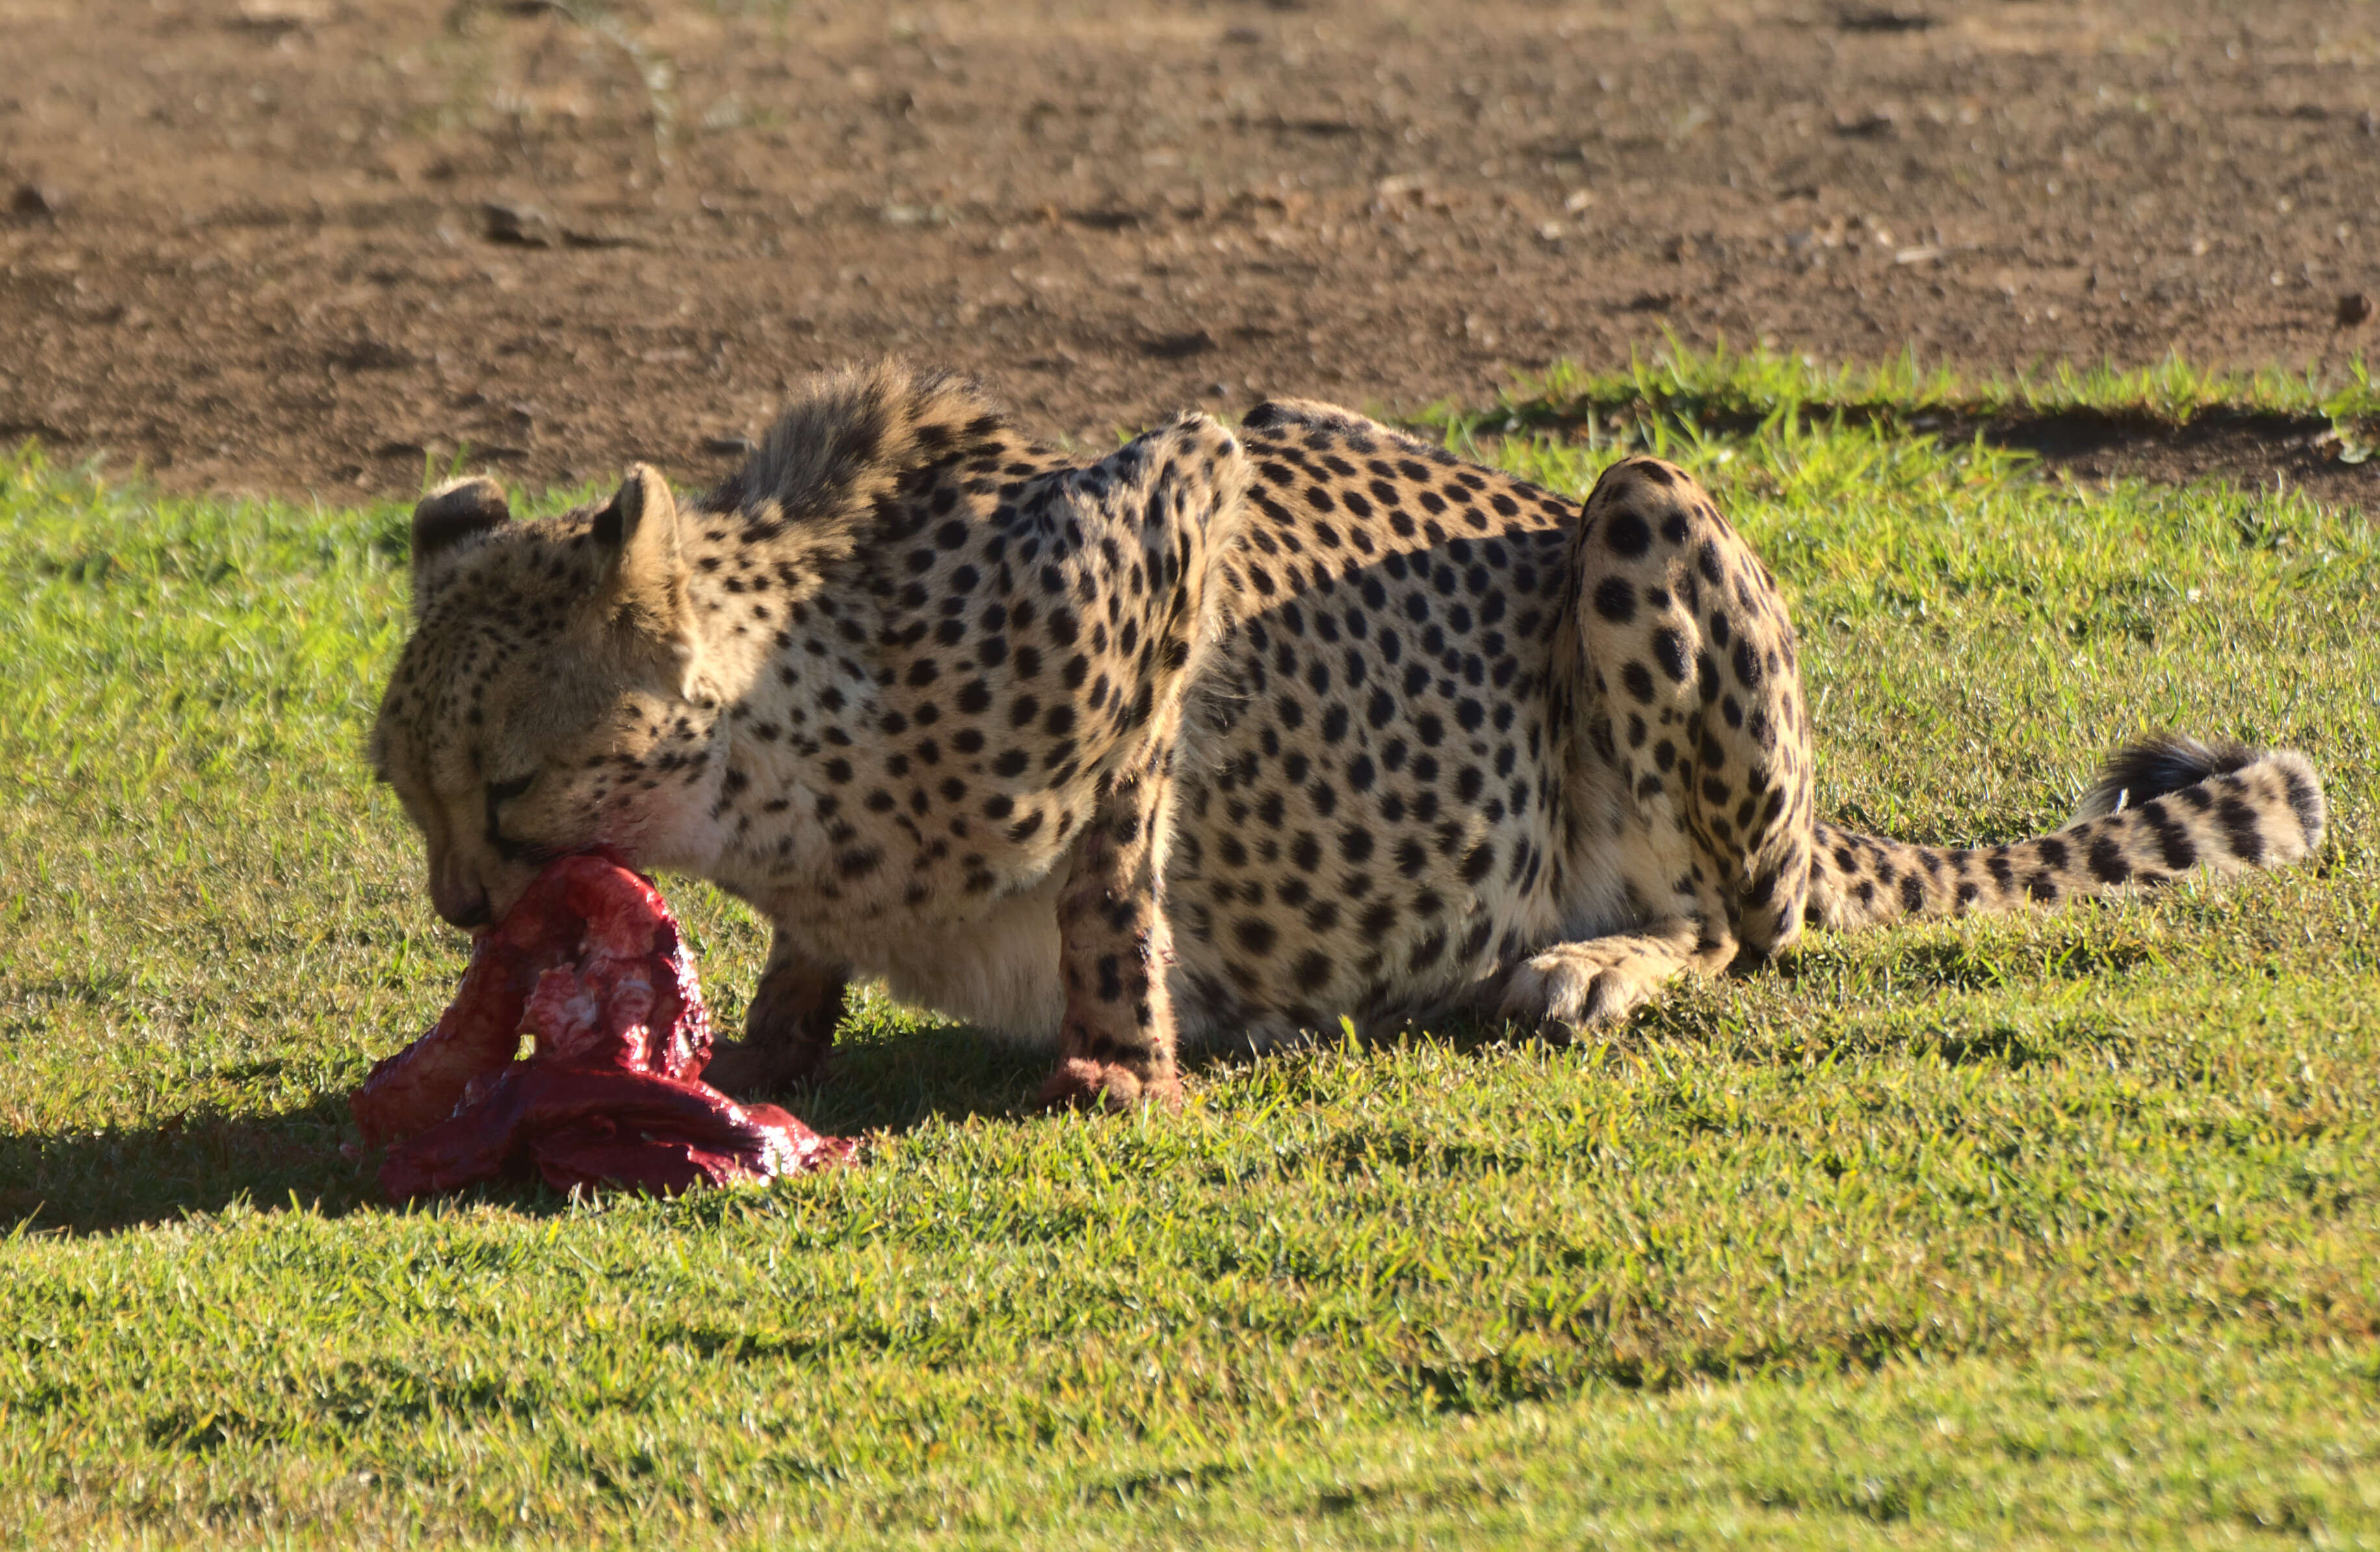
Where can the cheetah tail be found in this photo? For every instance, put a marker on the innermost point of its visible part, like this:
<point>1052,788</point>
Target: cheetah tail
<point>2161,806</point>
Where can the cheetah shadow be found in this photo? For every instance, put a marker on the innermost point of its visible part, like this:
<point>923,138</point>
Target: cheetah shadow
<point>85,1182</point>
<point>79,1184</point>
<point>890,1084</point>
<point>893,1083</point>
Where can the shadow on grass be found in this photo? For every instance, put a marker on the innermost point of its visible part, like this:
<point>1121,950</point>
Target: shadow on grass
<point>883,1082</point>
<point>95,1182</point>
<point>89,1182</point>
<point>896,1081</point>
<point>953,1072</point>
<point>1953,966</point>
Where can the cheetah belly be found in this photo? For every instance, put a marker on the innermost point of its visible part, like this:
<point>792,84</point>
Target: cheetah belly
<point>998,972</point>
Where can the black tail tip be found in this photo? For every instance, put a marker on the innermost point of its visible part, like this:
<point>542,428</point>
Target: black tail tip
<point>2166,762</point>
<point>2158,764</point>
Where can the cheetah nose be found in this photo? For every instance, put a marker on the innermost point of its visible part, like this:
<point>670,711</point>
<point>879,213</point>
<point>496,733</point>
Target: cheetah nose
<point>463,902</point>
<point>476,913</point>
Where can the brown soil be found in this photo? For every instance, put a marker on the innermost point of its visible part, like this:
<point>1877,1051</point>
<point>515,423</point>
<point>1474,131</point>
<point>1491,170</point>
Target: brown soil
<point>308,245</point>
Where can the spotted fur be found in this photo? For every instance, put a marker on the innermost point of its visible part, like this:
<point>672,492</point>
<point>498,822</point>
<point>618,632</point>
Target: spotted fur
<point>1220,738</point>
<point>910,684</point>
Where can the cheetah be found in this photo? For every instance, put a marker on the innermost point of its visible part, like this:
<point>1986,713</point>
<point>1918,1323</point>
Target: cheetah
<point>1220,739</point>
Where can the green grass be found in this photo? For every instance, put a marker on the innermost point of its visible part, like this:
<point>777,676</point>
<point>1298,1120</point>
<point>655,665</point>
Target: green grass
<point>2009,1231</point>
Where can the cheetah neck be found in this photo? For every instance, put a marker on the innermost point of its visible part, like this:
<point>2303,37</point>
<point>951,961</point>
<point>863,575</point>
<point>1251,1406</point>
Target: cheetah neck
<point>788,598</point>
<point>777,579</point>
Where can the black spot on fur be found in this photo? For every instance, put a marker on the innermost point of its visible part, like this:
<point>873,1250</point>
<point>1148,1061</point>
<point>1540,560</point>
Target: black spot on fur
<point>2107,864</point>
<point>1627,535</point>
<point>1670,650</point>
<point>2241,832</point>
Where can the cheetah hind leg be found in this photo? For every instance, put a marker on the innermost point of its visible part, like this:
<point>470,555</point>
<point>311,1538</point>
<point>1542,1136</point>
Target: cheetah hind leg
<point>788,1030</point>
<point>1598,982</point>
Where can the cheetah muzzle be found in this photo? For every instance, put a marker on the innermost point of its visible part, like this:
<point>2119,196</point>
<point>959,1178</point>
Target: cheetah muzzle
<point>1220,738</point>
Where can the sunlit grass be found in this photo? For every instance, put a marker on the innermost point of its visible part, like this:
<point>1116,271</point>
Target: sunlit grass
<point>2025,1229</point>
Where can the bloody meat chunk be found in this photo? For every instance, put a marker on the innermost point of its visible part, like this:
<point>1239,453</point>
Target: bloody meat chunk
<point>589,961</point>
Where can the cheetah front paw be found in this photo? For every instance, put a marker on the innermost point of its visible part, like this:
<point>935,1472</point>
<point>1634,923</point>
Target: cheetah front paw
<point>759,1070</point>
<point>788,1030</point>
<point>1080,1082</point>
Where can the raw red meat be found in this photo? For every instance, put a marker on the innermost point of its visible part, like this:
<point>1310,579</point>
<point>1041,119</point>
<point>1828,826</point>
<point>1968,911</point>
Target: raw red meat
<point>590,963</point>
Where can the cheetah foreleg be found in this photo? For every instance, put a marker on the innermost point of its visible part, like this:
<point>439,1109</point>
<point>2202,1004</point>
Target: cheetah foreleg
<point>1115,1045</point>
<point>789,1028</point>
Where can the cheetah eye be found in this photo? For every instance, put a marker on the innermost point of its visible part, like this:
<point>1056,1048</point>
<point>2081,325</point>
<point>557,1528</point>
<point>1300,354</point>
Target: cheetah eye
<point>505,792</point>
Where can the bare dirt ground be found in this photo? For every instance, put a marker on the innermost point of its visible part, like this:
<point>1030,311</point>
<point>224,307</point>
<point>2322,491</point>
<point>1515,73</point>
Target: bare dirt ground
<point>308,245</point>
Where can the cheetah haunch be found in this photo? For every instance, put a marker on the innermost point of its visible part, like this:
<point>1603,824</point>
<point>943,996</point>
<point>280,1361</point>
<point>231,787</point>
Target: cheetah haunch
<point>1218,738</point>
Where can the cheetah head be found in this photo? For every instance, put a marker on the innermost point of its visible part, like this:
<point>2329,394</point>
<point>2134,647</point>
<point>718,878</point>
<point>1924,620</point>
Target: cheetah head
<point>552,694</point>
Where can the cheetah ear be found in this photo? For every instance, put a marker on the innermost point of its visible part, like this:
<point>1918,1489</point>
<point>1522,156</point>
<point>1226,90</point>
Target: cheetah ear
<point>644,584</point>
<point>644,579</point>
<point>456,512</point>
